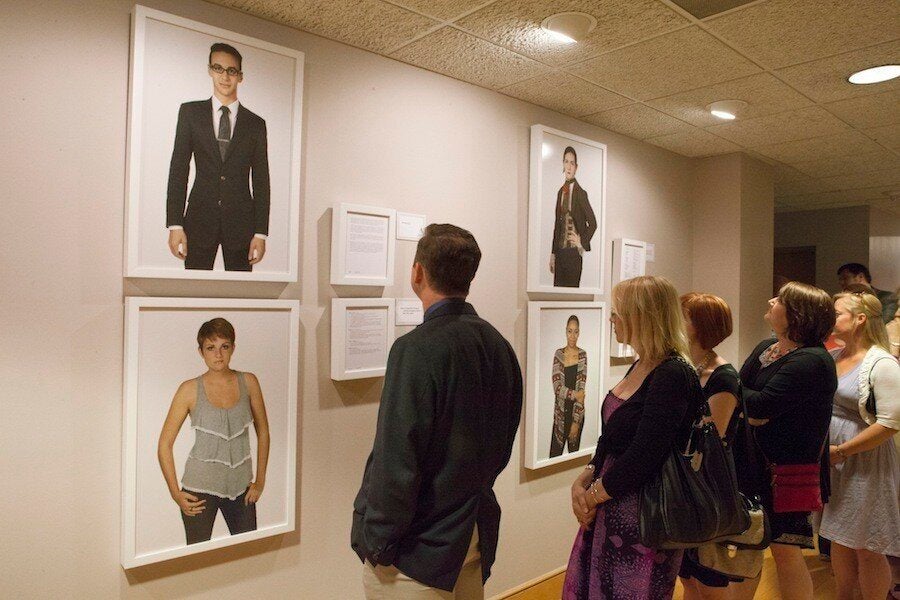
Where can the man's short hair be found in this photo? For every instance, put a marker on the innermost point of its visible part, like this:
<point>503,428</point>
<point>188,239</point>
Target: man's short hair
<point>215,328</point>
<point>226,48</point>
<point>570,150</point>
<point>450,256</point>
<point>856,269</point>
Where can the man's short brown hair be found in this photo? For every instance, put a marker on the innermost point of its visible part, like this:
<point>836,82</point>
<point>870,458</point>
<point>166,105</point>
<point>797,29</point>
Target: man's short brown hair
<point>810,312</point>
<point>710,316</point>
<point>215,328</point>
<point>450,256</point>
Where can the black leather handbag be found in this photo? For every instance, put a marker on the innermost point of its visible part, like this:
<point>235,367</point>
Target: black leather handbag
<point>694,498</point>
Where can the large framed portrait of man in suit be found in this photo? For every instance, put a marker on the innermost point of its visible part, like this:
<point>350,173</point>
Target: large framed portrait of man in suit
<point>566,213</point>
<point>213,187</point>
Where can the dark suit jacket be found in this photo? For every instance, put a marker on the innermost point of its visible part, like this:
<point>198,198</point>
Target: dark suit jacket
<point>221,189</point>
<point>449,412</point>
<point>582,214</point>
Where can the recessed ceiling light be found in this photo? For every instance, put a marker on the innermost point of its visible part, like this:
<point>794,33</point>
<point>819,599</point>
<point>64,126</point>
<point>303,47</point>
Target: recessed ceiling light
<point>875,75</point>
<point>569,27</point>
<point>726,109</point>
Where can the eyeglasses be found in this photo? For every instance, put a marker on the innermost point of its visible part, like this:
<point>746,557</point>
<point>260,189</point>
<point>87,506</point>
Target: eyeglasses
<point>217,68</point>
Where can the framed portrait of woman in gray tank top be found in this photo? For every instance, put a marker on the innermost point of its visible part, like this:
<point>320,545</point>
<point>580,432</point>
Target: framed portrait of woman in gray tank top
<point>209,445</point>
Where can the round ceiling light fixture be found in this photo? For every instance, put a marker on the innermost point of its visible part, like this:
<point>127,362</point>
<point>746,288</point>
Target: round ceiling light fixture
<point>569,27</point>
<point>875,75</point>
<point>726,109</point>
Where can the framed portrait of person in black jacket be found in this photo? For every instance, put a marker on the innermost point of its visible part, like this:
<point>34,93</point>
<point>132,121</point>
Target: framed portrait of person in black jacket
<point>213,170</point>
<point>566,208</point>
<point>564,380</point>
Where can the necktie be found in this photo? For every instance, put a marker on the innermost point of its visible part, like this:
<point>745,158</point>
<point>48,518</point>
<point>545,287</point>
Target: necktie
<point>224,136</point>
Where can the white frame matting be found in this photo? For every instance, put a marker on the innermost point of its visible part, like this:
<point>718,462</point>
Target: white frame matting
<point>287,182</point>
<point>535,445</point>
<point>340,220</point>
<point>134,307</point>
<point>538,209</point>
<point>339,309</point>
<point>634,265</point>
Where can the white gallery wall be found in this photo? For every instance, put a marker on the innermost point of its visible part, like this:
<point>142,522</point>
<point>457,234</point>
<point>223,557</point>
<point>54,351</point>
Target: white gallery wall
<point>375,131</point>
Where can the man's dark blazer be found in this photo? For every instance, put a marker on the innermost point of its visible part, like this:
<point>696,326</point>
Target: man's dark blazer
<point>449,411</point>
<point>221,188</point>
<point>582,214</point>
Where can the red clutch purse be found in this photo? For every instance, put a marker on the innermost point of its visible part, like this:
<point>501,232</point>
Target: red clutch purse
<point>796,488</point>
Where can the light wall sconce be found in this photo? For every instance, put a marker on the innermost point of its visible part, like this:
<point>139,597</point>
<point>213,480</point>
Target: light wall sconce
<point>569,27</point>
<point>875,75</point>
<point>726,109</point>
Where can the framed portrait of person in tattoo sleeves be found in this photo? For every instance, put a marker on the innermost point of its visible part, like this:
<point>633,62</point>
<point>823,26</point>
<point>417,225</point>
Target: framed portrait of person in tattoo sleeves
<point>564,380</point>
<point>566,213</point>
<point>214,134</point>
<point>210,426</point>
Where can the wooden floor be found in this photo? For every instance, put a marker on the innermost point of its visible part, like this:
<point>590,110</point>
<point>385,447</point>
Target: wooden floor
<point>823,583</point>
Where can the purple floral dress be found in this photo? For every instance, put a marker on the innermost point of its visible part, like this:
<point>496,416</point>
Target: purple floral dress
<point>608,561</point>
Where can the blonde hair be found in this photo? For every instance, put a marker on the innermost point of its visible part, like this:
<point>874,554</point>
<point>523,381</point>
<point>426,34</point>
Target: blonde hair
<point>651,316</point>
<point>866,303</point>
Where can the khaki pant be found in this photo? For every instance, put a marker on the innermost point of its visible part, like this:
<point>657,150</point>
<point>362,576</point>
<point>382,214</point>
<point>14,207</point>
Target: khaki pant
<point>388,583</point>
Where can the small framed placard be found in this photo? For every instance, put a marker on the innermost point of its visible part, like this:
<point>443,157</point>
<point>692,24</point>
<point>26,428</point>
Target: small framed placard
<point>410,227</point>
<point>362,245</point>
<point>362,332</point>
<point>410,311</point>
<point>629,260</point>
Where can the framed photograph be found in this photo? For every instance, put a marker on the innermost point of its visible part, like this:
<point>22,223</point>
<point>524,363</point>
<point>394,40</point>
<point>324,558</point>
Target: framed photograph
<point>362,332</point>
<point>566,213</point>
<point>362,245</point>
<point>213,163</point>
<point>565,380</point>
<point>629,260</point>
<point>210,424</point>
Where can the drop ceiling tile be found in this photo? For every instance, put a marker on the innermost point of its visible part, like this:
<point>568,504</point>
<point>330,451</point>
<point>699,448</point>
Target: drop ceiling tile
<point>565,93</point>
<point>516,24</point>
<point>838,197</point>
<point>782,127</point>
<point>825,80</point>
<point>369,24</point>
<point>890,177</point>
<point>681,60</point>
<point>840,144</point>
<point>445,10</point>
<point>463,56</point>
<point>786,173</point>
<point>802,186</point>
<point>786,32</point>
<point>869,111</point>
<point>763,93</point>
<point>638,121</point>
<point>694,143</point>
<point>830,166</point>
<point>889,135</point>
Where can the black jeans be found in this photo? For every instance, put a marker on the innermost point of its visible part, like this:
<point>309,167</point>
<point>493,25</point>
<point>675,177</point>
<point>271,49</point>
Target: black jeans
<point>240,518</point>
<point>567,268</point>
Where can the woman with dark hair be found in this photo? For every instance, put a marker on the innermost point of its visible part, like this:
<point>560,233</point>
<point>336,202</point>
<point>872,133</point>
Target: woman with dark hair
<point>788,386</point>
<point>708,323</point>
<point>862,518</point>
<point>218,474</point>
<point>644,416</point>
<point>569,378</point>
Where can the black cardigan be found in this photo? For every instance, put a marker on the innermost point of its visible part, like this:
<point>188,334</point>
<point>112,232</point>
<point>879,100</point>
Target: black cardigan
<point>796,392</point>
<point>643,431</point>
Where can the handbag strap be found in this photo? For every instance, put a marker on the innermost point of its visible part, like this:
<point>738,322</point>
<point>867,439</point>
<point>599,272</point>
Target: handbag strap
<point>871,408</point>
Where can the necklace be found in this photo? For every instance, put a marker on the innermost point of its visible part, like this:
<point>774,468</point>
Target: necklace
<point>704,362</point>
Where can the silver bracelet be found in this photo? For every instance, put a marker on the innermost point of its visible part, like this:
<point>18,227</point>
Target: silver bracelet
<point>589,467</point>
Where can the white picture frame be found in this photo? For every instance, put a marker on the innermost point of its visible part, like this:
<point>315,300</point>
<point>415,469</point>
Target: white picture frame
<point>629,260</point>
<point>367,325</point>
<point>172,49</point>
<point>409,312</point>
<point>363,245</point>
<point>410,226</point>
<point>546,180</point>
<point>161,351</point>
<point>547,328</point>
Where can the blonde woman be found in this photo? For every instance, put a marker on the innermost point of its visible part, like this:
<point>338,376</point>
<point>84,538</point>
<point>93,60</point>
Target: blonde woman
<point>862,518</point>
<point>647,412</point>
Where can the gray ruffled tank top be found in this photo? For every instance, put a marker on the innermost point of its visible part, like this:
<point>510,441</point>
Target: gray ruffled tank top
<point>220,463</point>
